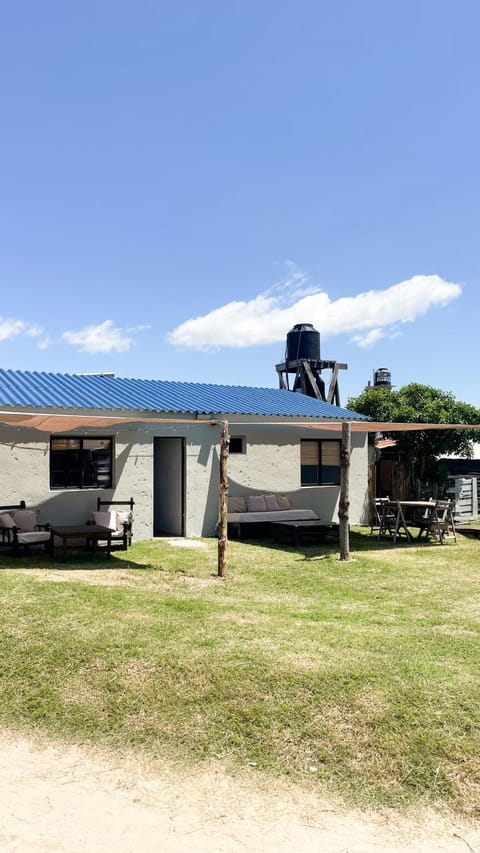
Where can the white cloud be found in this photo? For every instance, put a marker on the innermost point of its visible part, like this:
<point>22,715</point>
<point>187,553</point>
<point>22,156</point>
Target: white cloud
<point>266,318</point>
<point>34,331</point>
<point>10,328</point>
<point>44,343</point>
<point>104,337</point>
<point>370,339</point>
<point>133,329</point>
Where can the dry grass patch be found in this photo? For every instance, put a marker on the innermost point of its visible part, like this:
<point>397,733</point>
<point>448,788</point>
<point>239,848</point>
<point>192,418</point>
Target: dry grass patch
<point>92,576</point>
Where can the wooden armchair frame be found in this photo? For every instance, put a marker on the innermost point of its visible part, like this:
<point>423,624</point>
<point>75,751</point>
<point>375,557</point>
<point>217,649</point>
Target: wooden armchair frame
<point>127,535</point>
<point>10,535</point>
<point>6,533</point>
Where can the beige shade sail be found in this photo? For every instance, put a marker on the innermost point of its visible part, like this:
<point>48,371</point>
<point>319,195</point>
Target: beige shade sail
<point>66,423</point>
<point>379,426</point>
<point>47,422</point>
<point>361,426</point>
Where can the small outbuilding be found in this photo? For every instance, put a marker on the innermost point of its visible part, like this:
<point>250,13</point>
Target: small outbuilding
<point>66,439</point>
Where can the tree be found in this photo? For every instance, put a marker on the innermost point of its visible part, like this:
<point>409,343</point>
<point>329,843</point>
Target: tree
<point>417,403</point>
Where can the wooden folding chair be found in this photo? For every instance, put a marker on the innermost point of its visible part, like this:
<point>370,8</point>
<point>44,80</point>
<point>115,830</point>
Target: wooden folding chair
<point>443,524</point>
<point>400,526</point>
<point>384,518</point>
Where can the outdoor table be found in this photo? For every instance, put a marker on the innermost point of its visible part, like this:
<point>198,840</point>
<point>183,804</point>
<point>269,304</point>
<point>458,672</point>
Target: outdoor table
<point>88,534</point>
<point>312,527</point>
<point>410,514</point>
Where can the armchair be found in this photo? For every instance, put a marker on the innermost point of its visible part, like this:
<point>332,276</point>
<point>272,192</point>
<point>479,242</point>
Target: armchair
<point>19,527</point>
<point>119,522</point>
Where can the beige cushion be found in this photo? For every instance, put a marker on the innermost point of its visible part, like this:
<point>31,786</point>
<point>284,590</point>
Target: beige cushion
<point>25,519</point>
<point>237,503</point>
<point>106,519</point>
<point>6,520</point>
<point>283,502</point>
<point>122,518</point>
<point>36,536</point>
<point>256,503</point>
<point>271,503</point>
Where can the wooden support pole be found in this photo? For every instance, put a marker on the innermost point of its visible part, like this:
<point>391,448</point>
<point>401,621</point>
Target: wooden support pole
<point>344,501</point>
<point>312,380</point>
<point>333,387</point>
<point>222,502</point>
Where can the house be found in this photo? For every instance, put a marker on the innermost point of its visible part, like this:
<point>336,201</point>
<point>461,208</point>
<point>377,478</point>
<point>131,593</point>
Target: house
<point>67,439</point>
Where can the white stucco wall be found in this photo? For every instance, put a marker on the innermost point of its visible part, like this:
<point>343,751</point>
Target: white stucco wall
<point>271,464</point>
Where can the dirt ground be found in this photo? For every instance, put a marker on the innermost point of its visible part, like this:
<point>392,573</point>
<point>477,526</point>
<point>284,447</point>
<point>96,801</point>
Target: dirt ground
<point>64,798</point>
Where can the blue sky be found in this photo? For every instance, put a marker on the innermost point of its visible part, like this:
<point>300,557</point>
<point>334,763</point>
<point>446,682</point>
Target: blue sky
<point>181,182</point>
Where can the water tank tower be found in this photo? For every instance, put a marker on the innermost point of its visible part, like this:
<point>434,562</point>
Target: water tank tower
<point>302,359</point>
<point>382,378</point>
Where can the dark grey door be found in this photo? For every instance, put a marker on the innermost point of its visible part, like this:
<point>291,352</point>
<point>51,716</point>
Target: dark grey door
<point>169,487</point>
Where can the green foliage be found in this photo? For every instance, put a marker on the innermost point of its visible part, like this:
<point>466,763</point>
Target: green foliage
<point>417,403</point>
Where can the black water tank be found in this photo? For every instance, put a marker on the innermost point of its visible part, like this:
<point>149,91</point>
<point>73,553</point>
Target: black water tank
<point>303,341</point>
<point>382,378</point>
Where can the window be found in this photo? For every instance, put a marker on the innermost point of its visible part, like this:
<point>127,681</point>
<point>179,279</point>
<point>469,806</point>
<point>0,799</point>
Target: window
<point>320,462</point>
<point>237,444</point>
<point>81,463</point>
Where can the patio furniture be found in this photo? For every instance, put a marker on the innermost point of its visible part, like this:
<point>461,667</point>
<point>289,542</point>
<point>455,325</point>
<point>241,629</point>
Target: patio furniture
<point>312,529</point>
<point>21,529</point>
<point>384,517</point>
<point>443,524</point>
<point>422,518</point>
<point>432,518</point>
<point>7,523</point>
<point>85,536</point>
<point>252,514</point>
<point>119,522</point>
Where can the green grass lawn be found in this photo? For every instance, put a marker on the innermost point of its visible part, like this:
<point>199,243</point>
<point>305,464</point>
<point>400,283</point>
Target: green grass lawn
<point>362,678</point>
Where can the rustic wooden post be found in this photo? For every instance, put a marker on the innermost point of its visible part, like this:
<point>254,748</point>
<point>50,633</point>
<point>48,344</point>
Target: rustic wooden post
<point>344,501</point>
<point>222,502</point>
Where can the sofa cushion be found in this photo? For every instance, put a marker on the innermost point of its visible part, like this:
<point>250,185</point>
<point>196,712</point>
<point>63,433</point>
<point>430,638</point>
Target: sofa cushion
<point>237,503</point>
<point>256,503</point>
<point>123,518</point>
<point>271,502</point>
<point>6,520</point>
<point>106,519</point>
<point>33,537</point>
<point>25,519</point>
<point>279,515</point>
<point>283,502</point>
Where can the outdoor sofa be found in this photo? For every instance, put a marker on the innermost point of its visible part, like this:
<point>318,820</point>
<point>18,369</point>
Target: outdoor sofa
<point>251,513</point>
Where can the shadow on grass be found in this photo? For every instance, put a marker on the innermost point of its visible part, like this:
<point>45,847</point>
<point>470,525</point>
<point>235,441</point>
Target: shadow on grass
<point>76,561</point>
<point>328,544</point>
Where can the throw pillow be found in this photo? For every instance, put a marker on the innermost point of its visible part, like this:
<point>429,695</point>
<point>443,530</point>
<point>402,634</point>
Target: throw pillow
<point>237,503</point>
<point>122,518</point>
<point>6,520</point>
<point>25,519</point>
<point>106,519</point>
<point>271,502</point>
<point>256,503</point>
<point>283,502</point>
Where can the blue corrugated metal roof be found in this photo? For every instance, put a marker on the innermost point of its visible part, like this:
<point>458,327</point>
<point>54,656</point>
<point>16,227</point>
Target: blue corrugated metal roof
<point>36,390</point>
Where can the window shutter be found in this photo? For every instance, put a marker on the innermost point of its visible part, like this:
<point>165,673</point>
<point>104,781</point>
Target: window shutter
<point>330,453</point>
<point>309,453</point>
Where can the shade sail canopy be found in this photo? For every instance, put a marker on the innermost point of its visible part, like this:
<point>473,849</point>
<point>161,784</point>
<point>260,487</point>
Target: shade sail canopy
<point>47,422</point>
<point>63,423</point>
<point>379,426</point>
